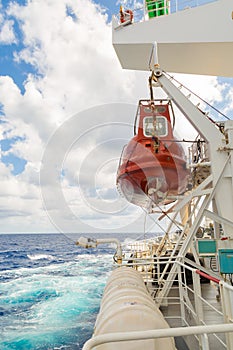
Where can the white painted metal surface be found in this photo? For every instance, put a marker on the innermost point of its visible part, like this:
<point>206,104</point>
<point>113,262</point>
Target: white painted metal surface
<point>127,307</point>
<point>220,148</point>
<point>193,301</point>
<point>196,40</point>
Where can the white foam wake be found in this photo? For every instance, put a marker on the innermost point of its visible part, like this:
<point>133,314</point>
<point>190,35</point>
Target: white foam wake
<point>40,257</point>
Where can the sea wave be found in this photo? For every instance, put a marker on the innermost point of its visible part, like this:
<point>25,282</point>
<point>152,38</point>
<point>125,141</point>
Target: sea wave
<point>50,291</point>
<point>41,257</point>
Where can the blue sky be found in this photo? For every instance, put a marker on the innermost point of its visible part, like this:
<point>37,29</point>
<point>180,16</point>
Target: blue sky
<point>56,63</point>
<point>19,70</point>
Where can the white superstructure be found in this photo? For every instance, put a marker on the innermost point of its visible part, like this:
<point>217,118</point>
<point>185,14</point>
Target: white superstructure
<point>195,40</point>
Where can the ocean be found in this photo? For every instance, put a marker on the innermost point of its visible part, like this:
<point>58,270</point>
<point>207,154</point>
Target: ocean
<point>50,290</point>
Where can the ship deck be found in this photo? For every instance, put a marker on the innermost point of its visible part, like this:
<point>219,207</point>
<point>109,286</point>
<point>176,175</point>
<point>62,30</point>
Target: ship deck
<point>190,295</point>
<point>172,314</point>
<point>195,300</point>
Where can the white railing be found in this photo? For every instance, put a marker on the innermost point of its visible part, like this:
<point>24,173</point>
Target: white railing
<point>195,308</point>
<point>149,9</point>
<point>200,312</point>
<point>154,334</point>
<point>188,297</point>
<point>180,5</point>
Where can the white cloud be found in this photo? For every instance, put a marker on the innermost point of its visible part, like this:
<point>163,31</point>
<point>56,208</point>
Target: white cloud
<point>7,35</point>
<point>74,68</point>
<point>206,87</point>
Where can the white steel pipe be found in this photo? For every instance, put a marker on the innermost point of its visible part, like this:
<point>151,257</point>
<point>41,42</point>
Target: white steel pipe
<point>158,333</point>
<point>114,241</point>
<point>92,243</point>
<point>198,165</point>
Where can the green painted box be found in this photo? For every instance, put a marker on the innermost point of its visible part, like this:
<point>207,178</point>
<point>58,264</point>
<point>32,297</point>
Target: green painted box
<point>226,260</point>
<point>206,246</point>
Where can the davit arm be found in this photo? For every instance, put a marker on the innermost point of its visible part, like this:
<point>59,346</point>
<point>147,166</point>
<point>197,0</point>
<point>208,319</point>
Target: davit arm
<point>220,148</point>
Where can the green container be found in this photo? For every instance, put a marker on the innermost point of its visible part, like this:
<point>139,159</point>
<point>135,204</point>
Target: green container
<point>151,8</point>
<point>161,6</point>
<point>206,247</point>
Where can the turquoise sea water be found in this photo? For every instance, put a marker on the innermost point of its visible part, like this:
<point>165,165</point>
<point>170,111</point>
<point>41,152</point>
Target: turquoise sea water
<point>50,291</point>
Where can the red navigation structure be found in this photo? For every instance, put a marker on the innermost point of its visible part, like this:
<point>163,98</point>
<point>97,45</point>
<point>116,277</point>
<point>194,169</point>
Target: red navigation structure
<point>152,168</point>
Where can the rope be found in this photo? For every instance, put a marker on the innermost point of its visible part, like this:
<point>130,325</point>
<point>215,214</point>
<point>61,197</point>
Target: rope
<point>187,141</point>
<point>193,93</point>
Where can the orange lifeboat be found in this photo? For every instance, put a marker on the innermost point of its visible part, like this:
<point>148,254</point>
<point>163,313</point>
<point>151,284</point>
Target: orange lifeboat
<point>152,167</point>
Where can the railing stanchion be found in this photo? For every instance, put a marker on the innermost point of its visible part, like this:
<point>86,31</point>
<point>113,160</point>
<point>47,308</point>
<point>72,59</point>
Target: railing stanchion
<point>181,295</point>
<point>226,299</point>
<point>203,339</point>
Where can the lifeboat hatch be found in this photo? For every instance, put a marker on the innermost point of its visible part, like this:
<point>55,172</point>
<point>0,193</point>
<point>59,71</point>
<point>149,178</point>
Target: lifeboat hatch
<point>153,118</point>
<point>152,167</point>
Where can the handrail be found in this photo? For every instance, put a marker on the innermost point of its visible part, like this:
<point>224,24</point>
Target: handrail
<point>157,333</point>
<point>180,5</point>
<point>144,11</point>
<point>210,278</point>
<point>194,307</point>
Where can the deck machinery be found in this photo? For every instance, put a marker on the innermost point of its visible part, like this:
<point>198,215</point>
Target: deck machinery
<point>186,38</point>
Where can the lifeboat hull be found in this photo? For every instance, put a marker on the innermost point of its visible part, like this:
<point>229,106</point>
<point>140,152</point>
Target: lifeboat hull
<point>152,171</point>
<point>152,179</point>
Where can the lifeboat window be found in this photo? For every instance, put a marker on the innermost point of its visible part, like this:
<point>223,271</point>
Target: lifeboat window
<point>155,126</point>
<point>158,109</point>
